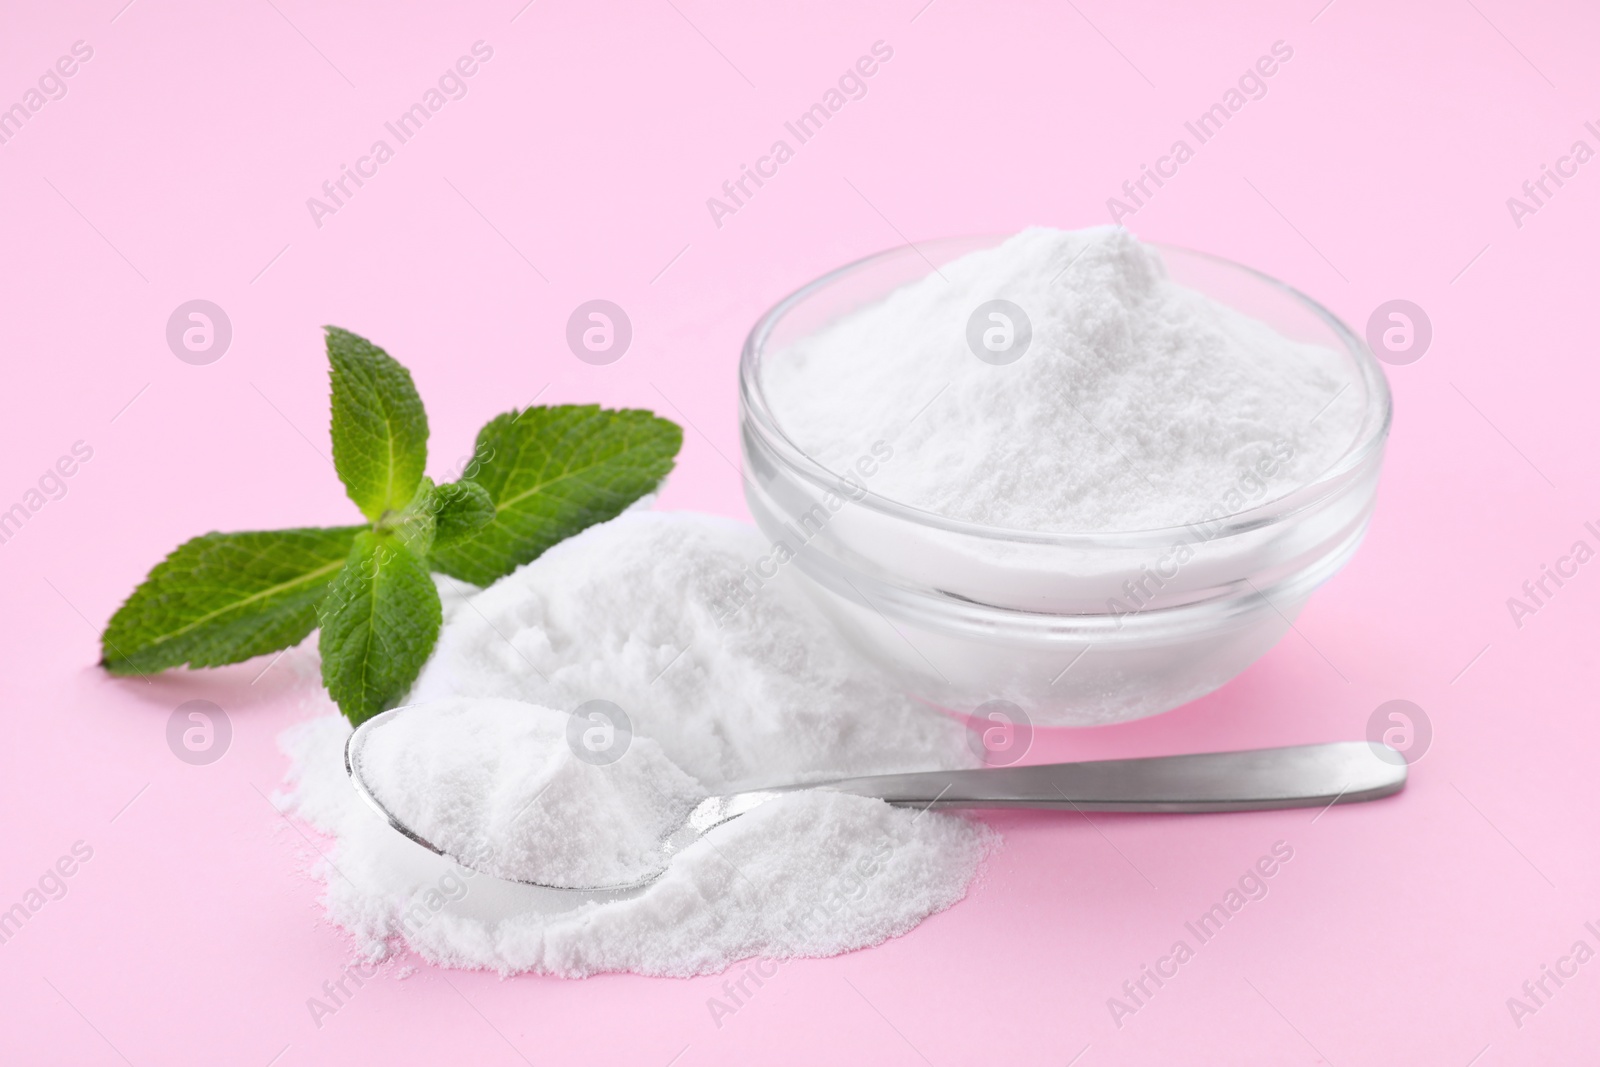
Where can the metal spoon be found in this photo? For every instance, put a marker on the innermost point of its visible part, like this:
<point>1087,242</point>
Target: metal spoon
<point>1298,776</point>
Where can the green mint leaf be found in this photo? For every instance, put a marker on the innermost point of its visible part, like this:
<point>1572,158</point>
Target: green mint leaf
<point>380,431</point>
<point>552,471</point>
<point>222,598</point>
<point>379,622</point>
<point>460,509</point>
<point>414,524</point>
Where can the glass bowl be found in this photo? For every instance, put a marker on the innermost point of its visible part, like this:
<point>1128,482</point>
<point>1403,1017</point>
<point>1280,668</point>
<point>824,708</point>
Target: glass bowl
<point>1075,629</point>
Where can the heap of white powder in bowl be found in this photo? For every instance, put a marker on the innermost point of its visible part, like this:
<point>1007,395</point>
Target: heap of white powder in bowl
<point>631,612</point>
<point>1134,405</point>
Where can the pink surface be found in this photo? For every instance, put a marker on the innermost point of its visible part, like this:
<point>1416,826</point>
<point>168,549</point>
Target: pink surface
<point>577,166</point>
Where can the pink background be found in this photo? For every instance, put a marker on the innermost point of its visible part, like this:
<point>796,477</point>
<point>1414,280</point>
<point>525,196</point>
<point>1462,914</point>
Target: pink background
<point>578,165</point>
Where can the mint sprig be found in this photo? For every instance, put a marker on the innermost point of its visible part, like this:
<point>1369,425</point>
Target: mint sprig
<point>552,471</point>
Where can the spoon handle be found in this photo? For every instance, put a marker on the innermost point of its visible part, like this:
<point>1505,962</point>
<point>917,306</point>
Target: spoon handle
<point>1297,776</point>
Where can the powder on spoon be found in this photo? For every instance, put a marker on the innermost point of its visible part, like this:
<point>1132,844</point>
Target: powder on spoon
<point>628,612</point>
<point>495,783</point>
<point>1134,405</point>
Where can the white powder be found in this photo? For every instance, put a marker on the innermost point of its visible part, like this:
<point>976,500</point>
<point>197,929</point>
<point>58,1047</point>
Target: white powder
<point>1135,405</point>
<point>626,612</point>
<point>496,782</point>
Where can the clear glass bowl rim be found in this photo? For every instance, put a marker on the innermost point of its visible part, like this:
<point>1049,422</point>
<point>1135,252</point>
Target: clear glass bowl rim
<point>1365,448</point>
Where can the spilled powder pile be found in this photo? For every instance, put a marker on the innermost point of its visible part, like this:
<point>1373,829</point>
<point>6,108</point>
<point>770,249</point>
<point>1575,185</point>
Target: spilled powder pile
<point>626,612</point>
<point>1135,404</point>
